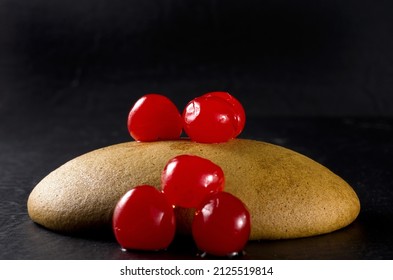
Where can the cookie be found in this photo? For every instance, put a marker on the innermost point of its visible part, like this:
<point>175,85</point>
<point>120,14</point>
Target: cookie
<point>288,194</point>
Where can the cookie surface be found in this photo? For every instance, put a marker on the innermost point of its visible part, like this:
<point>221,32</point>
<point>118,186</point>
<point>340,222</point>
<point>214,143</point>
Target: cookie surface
<point>288,194</point>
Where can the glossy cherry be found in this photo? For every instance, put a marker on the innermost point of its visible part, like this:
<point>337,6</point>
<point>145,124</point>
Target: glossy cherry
<point>221,225</point>
<point>154,117</point>
<point>143,219</point>
<point>187,179</point>
<point>213,118</point>
<point>240,114</point>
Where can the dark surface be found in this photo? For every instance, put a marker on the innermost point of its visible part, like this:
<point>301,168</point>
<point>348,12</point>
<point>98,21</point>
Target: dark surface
<point>359,150</point>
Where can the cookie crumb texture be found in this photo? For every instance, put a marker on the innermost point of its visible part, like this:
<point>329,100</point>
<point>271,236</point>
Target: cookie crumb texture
<point>288,194</point>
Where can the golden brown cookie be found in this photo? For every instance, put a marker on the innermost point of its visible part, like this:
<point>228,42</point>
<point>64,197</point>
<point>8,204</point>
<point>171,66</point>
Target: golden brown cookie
<point>288,194</point>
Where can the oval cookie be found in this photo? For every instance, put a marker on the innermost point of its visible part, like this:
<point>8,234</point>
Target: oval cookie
<point>288,194</point>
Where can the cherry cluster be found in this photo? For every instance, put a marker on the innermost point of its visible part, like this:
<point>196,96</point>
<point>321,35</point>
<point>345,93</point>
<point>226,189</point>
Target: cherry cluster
<point>144,217</point>
<point>214,117</point>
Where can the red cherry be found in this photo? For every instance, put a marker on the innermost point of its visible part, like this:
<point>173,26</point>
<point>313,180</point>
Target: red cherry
<point>144,220</point>
<point>240,114</point>
<point>187,179</point>
<point>221,225</point>
<point>210,120</point>
<point>154,117</point>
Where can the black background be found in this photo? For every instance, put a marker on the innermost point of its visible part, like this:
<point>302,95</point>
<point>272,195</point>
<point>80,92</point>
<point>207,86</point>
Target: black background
<point>313,76</point>
<point>279,57</point>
